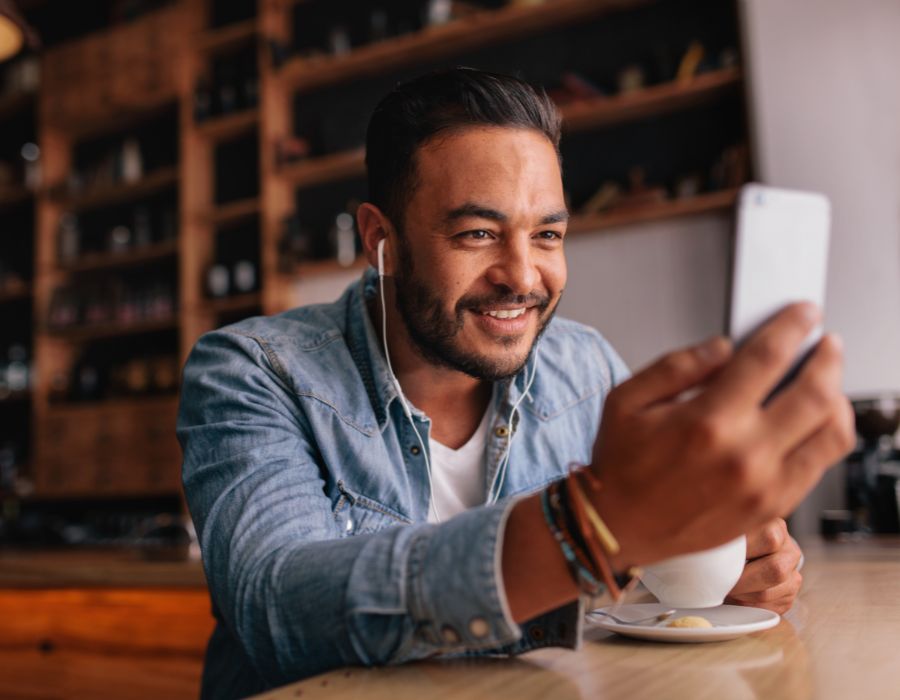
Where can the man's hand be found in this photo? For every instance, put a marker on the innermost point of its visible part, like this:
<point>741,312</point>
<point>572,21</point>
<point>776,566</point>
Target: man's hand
<point>770,579</point>
<point>684,474</point>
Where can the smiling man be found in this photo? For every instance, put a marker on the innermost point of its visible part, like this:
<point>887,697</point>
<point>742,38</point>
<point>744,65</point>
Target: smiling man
<point>372,479</point>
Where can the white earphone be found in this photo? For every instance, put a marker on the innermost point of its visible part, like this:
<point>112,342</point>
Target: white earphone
<point>405,405</point>
<point>500,476</point>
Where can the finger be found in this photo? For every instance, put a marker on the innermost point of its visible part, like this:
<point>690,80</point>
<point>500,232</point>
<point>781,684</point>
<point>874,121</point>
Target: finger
<point>808,401</point>
<point>786,590</point>
<point>770,538</point>
<point>767,573</point>
<point>804,466</point>
<point>761,362</point>
<point>672,374</point>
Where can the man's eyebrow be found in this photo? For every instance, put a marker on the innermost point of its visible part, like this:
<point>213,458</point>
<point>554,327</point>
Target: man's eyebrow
<point>473,210</point>
<point>556,217</point>
<point>479,211</point>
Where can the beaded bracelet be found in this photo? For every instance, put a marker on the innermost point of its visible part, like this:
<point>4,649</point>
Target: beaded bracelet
<point>584,578</point>
<point>617,585</point>
<point>564,520</point>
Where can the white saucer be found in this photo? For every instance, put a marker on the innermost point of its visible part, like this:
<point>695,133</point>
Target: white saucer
<point>729,622</point>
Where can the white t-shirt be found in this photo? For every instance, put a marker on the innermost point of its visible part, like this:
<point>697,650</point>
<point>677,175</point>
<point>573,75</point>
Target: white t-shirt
<point>457,476</point>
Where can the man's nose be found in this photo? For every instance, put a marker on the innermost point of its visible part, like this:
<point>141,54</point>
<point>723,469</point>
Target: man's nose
<point>515,268</point>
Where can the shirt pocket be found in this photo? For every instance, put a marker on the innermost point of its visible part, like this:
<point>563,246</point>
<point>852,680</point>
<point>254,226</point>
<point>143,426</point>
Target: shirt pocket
<point>356,514</point>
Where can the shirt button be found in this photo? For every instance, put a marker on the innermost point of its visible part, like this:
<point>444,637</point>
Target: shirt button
<point>415,449</point>
<point>501,431</point>
<point>450,635</point>
<point>479,628</point>
<point>537,633</point>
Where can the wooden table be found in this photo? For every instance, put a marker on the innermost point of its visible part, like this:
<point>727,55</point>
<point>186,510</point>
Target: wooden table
<point>841,640</point>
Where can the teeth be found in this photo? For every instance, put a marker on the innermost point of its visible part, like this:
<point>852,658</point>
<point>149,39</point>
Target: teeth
<point>506,313</point>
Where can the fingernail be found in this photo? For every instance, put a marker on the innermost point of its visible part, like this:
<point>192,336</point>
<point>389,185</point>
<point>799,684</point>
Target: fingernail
<point>810,311</point>
<point>837,341</point>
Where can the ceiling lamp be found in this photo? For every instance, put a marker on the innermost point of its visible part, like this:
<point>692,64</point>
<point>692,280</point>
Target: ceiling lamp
<point>14,31</point>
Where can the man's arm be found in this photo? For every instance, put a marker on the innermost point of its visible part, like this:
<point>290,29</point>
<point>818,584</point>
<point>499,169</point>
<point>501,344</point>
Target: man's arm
<point>681,475</point>
<point>300,598</point>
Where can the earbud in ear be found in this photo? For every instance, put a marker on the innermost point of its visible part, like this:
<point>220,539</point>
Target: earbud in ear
<point>381,257</point>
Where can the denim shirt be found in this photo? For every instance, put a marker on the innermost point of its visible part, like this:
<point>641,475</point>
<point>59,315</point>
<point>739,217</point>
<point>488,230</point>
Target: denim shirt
<point>310,496</point>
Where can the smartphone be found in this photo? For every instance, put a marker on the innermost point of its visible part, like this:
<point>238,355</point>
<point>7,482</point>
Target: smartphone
<point>780,256</point>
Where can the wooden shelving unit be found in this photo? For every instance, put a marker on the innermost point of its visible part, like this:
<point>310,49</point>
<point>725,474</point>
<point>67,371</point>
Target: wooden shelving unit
<point>649,102</point>
<point>202,223</point>
<point>14,196</point>
<point>229,127</point>
<point>322,169</point>
<point>16,295</point>
<point>464,34</point>
<point>234,211</point>
<point>584,115</point>
<point>670,209</point>
<point>13,103</point>
<point>234,304</point>
<point>15,397</point>
<point>318,268</point>
<point>123,192</point>
<point>131,258</point>
<point>225,39</point>
<point>113,329</point>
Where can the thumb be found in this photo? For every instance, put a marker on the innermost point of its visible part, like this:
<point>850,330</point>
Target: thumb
<point>673,374</point>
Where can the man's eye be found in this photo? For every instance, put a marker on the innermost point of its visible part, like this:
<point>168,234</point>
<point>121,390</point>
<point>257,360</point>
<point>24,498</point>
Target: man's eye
<point>477,235</point>
<point>550,235</point>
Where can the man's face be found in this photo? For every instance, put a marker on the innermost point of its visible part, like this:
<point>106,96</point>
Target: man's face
<point>481,265</point>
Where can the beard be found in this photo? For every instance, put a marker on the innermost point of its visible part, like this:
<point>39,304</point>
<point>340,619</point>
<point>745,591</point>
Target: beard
<point>435,332</point>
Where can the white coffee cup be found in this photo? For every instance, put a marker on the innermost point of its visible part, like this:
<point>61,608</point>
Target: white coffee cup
<point>697,580</point>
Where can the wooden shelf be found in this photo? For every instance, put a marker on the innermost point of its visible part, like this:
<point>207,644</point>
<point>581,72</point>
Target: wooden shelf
<point>13,103</point>
<point>234,303</point>
<point>15,397</point>
<point>467,33</point>
<point>103,331</point>
<point>234,211</point>
<point>315,268</point>
<point>232,36</point>
<point>649,102</point>
<point>669,209</point>
<point>108,195</point>
<point>13,196</point>
<point>19,293</point>
<point>335,166</point>
<point>577,116</point>
<point>103,261</point>
<point>229,126</point>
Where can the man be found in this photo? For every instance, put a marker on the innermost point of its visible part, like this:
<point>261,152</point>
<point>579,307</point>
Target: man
<point>365,476</point>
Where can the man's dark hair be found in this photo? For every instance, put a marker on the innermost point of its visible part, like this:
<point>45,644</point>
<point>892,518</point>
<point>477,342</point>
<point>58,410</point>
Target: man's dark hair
<point>446,100</point>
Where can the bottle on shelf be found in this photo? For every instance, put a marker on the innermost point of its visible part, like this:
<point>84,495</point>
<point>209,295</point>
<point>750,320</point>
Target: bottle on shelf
<point>343,239</point>
<point>244,276</point>
<point>202,100</point>
<point>218,281</point>
<point>31,155</point>
<point>132,162</point>
<point>68,238</point>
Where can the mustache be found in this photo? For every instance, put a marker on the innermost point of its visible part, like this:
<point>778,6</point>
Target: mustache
<point>475,302</point>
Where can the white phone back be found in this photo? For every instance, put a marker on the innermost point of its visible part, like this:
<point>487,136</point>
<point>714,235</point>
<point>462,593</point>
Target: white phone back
<point>780,256</point>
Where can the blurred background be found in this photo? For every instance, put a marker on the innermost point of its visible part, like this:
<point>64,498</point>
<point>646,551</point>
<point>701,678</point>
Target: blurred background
<point>170,167</point>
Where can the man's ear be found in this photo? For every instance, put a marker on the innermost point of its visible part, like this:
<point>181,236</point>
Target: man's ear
<point>374,226</point>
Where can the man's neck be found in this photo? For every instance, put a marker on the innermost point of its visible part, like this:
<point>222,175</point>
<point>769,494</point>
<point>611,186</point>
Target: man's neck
<point>454,401</point>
